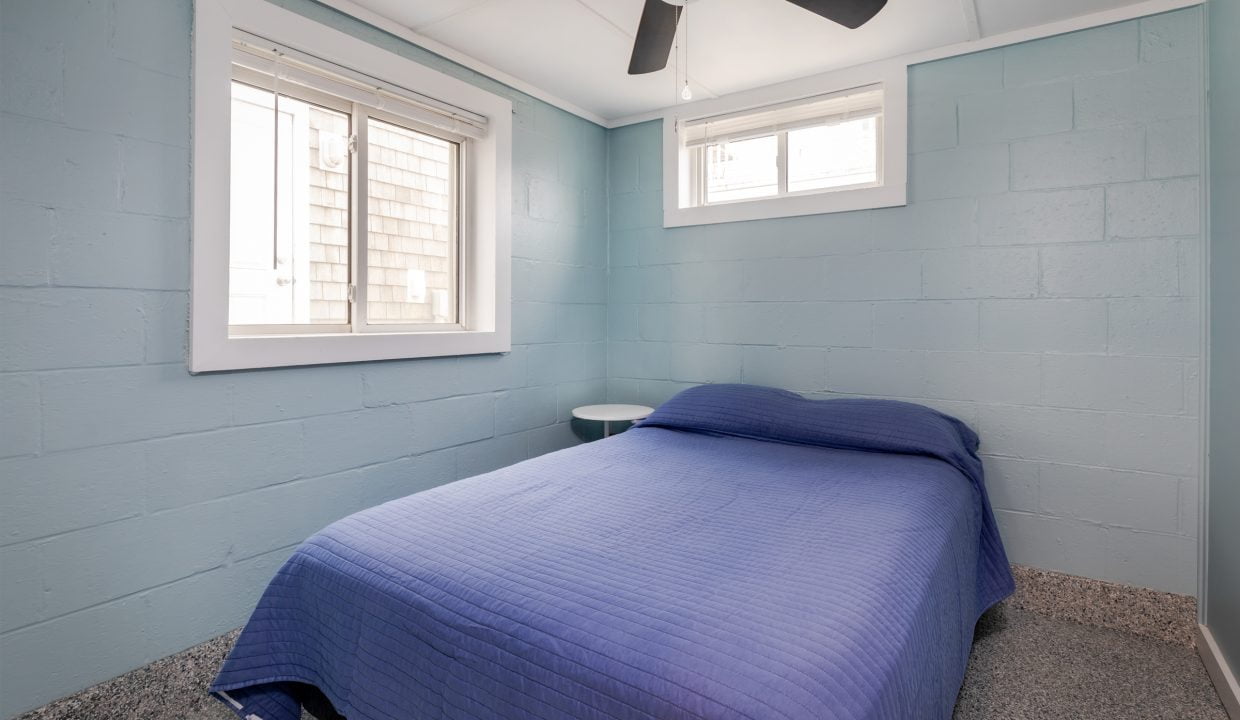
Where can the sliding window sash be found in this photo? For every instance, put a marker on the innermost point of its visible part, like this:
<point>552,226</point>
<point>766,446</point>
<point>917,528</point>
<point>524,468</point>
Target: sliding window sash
<point>360,228</point>
<point>359,243</point>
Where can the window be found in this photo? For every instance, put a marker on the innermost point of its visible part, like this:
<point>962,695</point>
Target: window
<point>293,265</point>
<point>351,218</point>
<point>822,153</point>
<point>813,145</point>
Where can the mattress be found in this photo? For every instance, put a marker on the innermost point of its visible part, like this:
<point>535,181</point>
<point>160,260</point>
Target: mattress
<point>738,555</point>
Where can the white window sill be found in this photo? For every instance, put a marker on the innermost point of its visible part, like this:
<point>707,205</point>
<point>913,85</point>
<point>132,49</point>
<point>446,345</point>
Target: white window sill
<point>259,351</point>
<point>787,206</point>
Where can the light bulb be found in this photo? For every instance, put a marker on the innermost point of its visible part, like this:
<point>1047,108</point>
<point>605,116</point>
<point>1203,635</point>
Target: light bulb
<point>686,94</point>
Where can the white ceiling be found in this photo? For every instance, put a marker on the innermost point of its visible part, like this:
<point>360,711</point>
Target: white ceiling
<point>578,50</point>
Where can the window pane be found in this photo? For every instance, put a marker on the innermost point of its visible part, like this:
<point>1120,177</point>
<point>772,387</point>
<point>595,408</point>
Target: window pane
<point>412,226</point>
<point>830,156</point>
<point>288,212</point>
<point>328,135</point>
<point>742,169</point>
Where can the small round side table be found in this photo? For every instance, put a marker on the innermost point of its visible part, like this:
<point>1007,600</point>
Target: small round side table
<point>611,413</point>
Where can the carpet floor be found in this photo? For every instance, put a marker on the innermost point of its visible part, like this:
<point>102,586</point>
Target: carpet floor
<point>1024,667</point>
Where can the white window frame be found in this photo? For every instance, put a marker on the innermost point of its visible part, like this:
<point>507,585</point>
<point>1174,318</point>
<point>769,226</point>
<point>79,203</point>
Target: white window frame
<point>484,280</point>
<point>679,178</point>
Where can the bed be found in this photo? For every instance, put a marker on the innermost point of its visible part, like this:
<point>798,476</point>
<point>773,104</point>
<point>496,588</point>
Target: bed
<point>742,553</point>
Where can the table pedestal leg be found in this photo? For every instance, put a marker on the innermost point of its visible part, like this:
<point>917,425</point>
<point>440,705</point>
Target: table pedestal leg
<point>606,428</point>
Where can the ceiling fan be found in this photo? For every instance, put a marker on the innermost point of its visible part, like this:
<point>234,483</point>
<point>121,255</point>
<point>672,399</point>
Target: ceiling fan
<point>657,29</point>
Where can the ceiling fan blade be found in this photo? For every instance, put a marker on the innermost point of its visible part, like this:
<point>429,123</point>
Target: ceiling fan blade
<point>851,14</point>
<point>655,34</point>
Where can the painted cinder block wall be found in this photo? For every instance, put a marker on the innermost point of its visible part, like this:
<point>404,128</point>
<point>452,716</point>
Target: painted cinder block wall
<point>144,509</point>
<point>1042,284</point>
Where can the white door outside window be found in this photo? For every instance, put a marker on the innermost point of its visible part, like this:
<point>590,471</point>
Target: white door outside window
<point>268,221</point>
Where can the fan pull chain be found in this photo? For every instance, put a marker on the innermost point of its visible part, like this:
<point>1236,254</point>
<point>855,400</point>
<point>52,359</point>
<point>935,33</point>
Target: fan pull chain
<point>686,94</point>
<point>675,65</point>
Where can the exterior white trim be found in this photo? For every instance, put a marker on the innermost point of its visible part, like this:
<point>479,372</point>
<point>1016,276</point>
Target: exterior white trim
<point>1221,674</point>
<point>893,76</point>
<point>1081,22</point>
<point>490,205</point>
<point>392,27</point>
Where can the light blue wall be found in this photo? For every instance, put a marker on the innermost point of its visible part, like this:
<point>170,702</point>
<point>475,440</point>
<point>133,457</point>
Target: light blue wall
<point>144,509</point>
<point>1042,284</point>
<point>1223,563</point>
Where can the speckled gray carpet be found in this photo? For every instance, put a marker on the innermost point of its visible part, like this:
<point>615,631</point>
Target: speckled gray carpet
<point>1029,667</point>
<point>1024,667</point>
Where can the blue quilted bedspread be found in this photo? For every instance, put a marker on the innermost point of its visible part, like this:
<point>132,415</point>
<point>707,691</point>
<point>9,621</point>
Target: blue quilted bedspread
<point>743,553</point>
